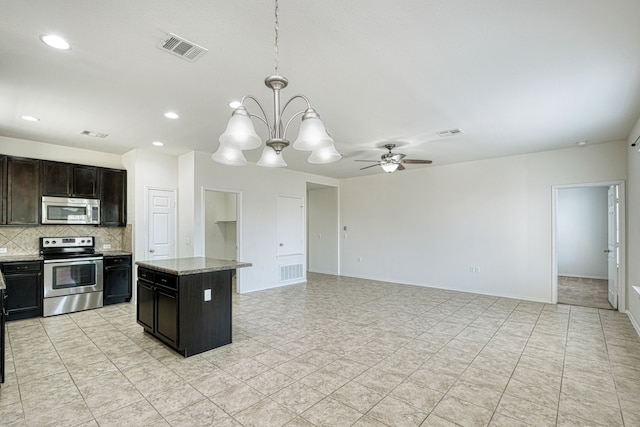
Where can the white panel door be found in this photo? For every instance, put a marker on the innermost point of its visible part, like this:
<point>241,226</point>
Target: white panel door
<point>612,246</point>
<point>290,225</point>
<point>161,224</point>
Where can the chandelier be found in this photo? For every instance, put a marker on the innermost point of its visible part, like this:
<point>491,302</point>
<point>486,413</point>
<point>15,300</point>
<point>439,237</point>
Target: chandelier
<point>240,134</point>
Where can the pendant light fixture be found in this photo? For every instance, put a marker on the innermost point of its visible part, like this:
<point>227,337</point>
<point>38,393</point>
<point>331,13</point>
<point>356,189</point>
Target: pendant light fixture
<point>240,134</point>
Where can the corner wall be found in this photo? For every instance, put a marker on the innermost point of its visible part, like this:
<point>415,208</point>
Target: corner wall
<point>633,228</point>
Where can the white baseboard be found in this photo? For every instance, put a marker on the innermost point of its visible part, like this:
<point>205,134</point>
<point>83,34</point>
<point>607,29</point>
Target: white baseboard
<point>633,322</point>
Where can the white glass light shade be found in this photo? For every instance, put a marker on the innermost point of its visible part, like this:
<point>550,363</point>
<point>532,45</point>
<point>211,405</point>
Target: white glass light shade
<point>312,135</point>
<point>271,159</point>
<point>325,155</point>
<point>390,167</point>
<point>240,133</point>
<point>229,156</point>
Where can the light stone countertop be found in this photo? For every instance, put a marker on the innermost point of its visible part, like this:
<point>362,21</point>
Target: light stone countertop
<point>196,265</point>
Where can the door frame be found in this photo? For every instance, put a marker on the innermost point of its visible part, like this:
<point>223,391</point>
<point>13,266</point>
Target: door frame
<point>203,228</point>
<point>622,270</point>
<point>146,218</point>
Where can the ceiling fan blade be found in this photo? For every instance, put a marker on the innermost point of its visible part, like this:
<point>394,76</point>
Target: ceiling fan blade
<point>417,162</point>
<point>376,161</point>
<point>367,167</point>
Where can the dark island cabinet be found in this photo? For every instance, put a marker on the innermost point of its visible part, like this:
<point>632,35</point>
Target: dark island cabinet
<point>22,201</point>
<point>190,313</point>
<point>117,279</point>
<point>69,180</point>
<point>113,197</point>
<point>3,189</point>
<point>23,282</point>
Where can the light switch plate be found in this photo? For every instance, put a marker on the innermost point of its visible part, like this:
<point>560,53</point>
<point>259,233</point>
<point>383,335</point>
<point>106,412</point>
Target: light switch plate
<point>207,294</point>
<point>3,250</point>
<point>106,246</point>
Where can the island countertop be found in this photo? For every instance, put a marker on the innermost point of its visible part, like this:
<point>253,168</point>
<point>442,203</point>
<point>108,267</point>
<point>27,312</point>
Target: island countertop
<point>194,265</point>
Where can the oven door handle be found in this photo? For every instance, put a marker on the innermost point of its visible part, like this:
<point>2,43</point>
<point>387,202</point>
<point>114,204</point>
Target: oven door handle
<point>73,260</point>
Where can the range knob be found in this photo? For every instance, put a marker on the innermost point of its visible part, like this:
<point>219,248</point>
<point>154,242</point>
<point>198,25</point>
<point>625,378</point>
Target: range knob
<point>54,242</point>
<point>46,242</point>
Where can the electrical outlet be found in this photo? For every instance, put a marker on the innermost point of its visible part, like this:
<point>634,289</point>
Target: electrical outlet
<point>106,246</point>
<point>3,250</point>
<point>359,259</point>
<point>207,294</point>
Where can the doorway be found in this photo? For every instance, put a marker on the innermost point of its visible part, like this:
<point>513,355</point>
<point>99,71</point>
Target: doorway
<point>588,239</point>
<point>221,230</point>
<point>323,229</point>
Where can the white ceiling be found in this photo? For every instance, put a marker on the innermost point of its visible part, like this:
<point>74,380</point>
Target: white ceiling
<point>516,76</point>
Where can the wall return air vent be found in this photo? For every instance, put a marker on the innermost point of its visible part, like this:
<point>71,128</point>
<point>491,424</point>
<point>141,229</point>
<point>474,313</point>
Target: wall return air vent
<point>450,132</point>
<point>181,47</point>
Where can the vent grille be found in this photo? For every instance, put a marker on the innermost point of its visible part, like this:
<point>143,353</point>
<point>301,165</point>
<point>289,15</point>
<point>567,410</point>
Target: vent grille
<point>94,134</point>
<point>450,132</point>
<point>290,272</point>
<point>181,47</point>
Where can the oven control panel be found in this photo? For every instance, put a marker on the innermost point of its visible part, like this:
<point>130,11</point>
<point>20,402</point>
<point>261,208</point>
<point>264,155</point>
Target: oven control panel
<point>66,242</point>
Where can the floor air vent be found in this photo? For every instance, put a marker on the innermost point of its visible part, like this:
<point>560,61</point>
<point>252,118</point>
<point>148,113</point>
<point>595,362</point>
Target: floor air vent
<point>181,47</point>
<point>290,272</point>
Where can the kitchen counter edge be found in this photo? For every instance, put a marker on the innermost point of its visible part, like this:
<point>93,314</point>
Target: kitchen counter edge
<point>195,265</point>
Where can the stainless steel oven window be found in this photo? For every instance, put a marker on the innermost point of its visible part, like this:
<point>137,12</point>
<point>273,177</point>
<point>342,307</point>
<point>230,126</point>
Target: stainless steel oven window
<point>71,276</point>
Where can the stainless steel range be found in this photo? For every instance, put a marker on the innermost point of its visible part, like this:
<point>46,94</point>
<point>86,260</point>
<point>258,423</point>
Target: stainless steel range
<point>72,275</point>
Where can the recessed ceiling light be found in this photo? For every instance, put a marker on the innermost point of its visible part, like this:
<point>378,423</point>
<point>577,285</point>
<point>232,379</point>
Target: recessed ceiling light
<point>30,118</point>
<point>54,41</point>
<point>171,115</point>
<point>235,104</point>
<point>582,143</point>
<point>157,143</point>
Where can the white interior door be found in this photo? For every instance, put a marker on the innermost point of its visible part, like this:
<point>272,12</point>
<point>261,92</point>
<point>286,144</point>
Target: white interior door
<point>161,205</point>
<point>613,246</point>
<point>290,225</point>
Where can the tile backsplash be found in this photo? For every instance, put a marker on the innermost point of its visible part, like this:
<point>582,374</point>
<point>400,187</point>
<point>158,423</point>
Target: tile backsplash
<point>25,240</point>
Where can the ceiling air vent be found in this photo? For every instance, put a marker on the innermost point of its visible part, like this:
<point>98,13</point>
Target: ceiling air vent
<point>450,132</point>
<point>94,134</point>
<point>181,47</point>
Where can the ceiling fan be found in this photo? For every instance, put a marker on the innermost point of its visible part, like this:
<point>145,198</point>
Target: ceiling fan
<point>390,162</point>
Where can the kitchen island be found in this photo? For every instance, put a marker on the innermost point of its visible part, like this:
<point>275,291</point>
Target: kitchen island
<point>186,302</point>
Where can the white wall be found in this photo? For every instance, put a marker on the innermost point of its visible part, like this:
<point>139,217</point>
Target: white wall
<point>633,228</point>
<point>258,188</point>
<point>59,153</point>
<point>220,225</point>
<point>431,226</point>
<point>582,232</point>
<point>322,229</point>
<point>146,169</point>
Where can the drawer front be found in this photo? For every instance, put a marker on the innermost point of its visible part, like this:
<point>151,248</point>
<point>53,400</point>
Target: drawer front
<point>21,267</point>
<point>166,280</point>
<point>145,274</point>
<point>117,260</point>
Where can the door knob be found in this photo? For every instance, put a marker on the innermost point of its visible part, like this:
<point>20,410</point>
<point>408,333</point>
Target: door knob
<point>152,250</point>
<point>606,251</point>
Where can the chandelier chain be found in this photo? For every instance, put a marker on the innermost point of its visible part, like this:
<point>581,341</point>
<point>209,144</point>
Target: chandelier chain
<point>277,30</point>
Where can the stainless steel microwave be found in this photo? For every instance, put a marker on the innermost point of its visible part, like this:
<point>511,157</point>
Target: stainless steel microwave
<point>65,210</point>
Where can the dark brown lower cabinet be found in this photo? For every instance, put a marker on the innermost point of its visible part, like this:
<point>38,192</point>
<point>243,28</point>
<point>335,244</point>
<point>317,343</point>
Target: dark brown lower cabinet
<point>190,313</point>
<point>23,282</point>
<point>3,313</point>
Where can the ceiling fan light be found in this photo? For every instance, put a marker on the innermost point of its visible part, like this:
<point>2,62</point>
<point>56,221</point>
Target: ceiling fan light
<point>324,155</point>
<point>229,156</point>
<point>312,135</point>
<point>389,167</point>
<point>271,159</point>
<point>240,132</point>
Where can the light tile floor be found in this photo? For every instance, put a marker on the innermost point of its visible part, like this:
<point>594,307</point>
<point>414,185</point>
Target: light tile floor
<point>334,352</point>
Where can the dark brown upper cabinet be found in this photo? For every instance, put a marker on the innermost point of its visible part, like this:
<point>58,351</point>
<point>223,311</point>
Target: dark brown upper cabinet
<point>69,180</point>
<point>23,195</point>
<point>113,197</point>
